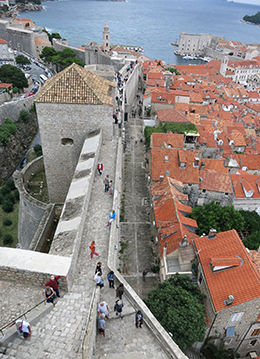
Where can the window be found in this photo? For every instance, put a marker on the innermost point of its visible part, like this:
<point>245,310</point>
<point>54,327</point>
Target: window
<point>236,317</point>
<point>167,172</point>
<point>255,332</point>
<point>106,36</point>
<point>204,191</point>
<point>166,158</point>
<point>67,141</point>
<point>253,342</point>
<point>230,332</point>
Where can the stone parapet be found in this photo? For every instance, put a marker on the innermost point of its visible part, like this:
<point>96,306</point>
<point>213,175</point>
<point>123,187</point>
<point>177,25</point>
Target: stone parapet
<point>169,346</point>
<point>22,266</point>
<point>31,211</point>
<point>69,232</point>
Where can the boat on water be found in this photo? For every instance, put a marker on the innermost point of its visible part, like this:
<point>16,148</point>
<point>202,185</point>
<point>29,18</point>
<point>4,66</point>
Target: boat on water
<point>189,57</point>
<point>205,58</point>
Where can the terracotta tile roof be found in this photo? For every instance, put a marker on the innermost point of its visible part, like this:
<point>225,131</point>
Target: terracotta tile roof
<point>187,174</point>
<point>214,165</point>
<point>151,82</point>
<point>165,140</point>
<point>196,97</point>
<point>255,107</point>
<point>171,115</point>
<point>169,184</point>
<point>243,181</point>
<point>75,85</point>
<point>252,162</point>
<point>170,222</point>
<point>243,281</point>
<point>39,41</point>
<point>4,85</point>
<point>215,181</point>
<point>2,41</point>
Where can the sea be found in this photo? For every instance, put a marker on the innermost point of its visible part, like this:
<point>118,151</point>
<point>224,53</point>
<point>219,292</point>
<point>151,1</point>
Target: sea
<point>151,24</point>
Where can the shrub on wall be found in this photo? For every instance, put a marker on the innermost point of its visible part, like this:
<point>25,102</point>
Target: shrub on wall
<point>10,184</point>
<point>24,116</point>
<point>16,194</point>
<point>5,190</point>
<point>7,206</point>
<point>38,150</point>
<point>7,222</point>
<point>9,197</point>
<point>7,239</point>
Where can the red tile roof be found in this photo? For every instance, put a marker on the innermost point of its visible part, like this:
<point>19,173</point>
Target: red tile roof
<point>188,174</point>
<point>215,181</point>
<point>167,140</point>
<point>243,180</point>
<point>2,41</point>
<point>171,115</point>
<point>243,281</point>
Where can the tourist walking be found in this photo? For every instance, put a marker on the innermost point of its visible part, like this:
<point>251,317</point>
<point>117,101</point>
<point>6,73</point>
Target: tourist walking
<point>23,328</point>
<point>98,268</point>
<point>106,183</point>
<point>49,294</point>
<point>98,280</point>
<point>111,188</point>
<point>93,249</point>
<point>120,290</point>
<point>139,319</point>
<point>118,307</point>
<point>112,216</point>
<point>111,279</point>
<point>103,308</point>
<point>53,283</point>
<point>100,168</point>
<point>101,324</point>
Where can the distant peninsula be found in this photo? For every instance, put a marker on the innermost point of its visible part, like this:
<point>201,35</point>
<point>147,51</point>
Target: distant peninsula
<point>254,19</point>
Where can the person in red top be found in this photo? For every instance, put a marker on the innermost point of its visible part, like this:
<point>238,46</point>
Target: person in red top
<point>100,168</point>
<point>53,283</point>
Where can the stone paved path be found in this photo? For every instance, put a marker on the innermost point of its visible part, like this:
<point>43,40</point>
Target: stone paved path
<point>59,334</point>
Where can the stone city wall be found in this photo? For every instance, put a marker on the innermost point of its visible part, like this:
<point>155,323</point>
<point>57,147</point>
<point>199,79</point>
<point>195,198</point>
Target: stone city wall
<point>33,268</point>
<point>31,211</point>
<point>248,204</point>
<point>13,109</point>
<point>17,37</point>
<point>131,86</point>
<point>170,347</point>
<point>60,159</point>
<point>59,46</point>
<point>93,55</point>
<point>69,232</point>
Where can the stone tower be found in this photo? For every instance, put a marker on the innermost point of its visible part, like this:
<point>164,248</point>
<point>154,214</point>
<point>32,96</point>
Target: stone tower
<point>223,66</point>
<point>69,105</point>
<point>106,38</point>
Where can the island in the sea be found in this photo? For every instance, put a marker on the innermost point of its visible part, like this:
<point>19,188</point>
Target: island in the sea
<point>254,19</point>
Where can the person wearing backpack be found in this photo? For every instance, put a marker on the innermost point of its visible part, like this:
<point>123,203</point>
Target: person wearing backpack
<point>118,307</point>
<point>53,283</point>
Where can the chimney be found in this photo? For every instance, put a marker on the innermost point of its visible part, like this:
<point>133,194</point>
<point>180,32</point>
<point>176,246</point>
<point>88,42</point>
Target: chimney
<point>226,161</point>
<point>184,242</point>
<point>202,166</point>
<point>229,300</point>
<point>212,233</point>
<point>196,162</point>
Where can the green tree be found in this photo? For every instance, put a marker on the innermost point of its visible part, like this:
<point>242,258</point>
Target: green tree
<point>212,215</point>
<point>212,351</point>
<point>38,150</point>
<point>48,53</point>
<point>61,59</point>
<point>22,60</point>
<point>11,74</point>
<point>24,116</point>
<point>172,302</point>
<point>15,90</point>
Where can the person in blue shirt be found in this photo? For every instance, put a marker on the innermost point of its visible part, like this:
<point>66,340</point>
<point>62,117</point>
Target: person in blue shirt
<point>112,216</point>
<point>111,279</point>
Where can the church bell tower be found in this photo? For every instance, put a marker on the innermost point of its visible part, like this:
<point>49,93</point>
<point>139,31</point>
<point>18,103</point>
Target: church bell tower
<point>106,38</point>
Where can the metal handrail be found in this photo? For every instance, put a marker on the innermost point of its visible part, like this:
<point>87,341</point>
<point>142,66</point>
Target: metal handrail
<point>88,320</point>
<point>20,316</point>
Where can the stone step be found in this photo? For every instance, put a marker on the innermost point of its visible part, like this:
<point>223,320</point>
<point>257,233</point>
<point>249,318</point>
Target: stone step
<point>32,317</point>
